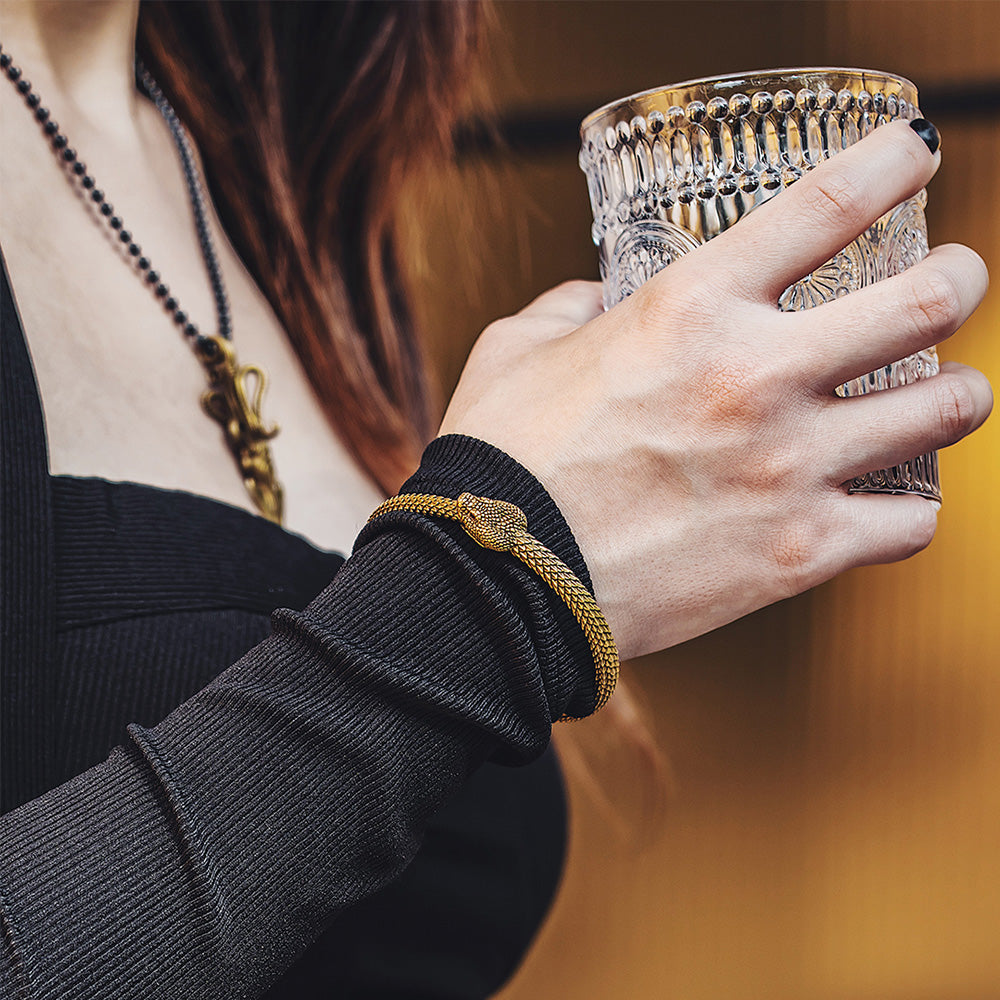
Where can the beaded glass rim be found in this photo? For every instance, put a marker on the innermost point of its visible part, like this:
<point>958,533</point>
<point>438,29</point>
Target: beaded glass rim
<point>812,77</point>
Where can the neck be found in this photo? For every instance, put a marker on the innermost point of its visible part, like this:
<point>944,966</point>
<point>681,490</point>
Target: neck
<point>84,49</point>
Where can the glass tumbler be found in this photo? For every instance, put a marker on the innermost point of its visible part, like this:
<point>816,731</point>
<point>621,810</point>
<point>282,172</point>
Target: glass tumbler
<point>670,168</point>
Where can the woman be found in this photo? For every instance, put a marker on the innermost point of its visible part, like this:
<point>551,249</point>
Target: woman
<point>205,853</point>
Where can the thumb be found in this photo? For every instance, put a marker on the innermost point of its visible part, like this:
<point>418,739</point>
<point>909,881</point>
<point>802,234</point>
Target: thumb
<point>572,302</point>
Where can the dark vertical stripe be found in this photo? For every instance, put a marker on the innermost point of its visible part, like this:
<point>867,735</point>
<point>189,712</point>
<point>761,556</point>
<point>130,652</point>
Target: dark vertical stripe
<point>26,584</point>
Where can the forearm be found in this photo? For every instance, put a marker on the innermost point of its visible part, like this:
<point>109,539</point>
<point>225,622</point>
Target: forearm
<point>205,853</point>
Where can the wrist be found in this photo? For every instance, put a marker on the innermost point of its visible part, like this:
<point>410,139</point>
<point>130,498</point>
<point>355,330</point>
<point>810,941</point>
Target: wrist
<point>454,464</point>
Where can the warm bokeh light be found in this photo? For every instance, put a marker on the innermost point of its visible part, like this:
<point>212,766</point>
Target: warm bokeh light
<point>835,826</point>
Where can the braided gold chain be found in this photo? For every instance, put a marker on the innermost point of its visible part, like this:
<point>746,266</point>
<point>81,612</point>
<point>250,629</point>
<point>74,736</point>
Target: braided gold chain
<point>503,527</point>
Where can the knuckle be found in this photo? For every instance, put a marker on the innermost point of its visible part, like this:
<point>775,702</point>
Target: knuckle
<point>578,288</point>
<point>914,533</point>
<point>795,551</point>
<point>769,473</point>
<point>935,304</point>
<point>573,290</point>
<point>922,528</point>
<point>955,406</point>
<point>494,332</point>
<point>731,391</point>
<point>664,312</point>
<point>836,199</point>
<point>700,292</point>
<point>502,338</point>
<point>570,295</point>
<point>661,298</point>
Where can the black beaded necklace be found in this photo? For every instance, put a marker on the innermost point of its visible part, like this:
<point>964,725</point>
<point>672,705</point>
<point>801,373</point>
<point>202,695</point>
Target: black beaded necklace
<point>233,398</point>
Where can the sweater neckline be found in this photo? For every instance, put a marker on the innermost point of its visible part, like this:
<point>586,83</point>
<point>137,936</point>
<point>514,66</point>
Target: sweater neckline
<point>125,550</point>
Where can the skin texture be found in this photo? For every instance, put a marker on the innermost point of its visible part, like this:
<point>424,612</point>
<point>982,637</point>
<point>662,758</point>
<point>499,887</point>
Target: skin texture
<point>691,435</point>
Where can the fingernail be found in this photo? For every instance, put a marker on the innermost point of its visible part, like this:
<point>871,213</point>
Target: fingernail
<point>927,132</point>
<point>936,504</point>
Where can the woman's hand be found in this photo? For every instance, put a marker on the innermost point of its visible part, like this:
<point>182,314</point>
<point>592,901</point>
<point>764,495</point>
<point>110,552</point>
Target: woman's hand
<point>691,435</point>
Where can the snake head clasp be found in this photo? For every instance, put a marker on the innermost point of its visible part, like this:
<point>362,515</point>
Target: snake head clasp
<point>494,524</point>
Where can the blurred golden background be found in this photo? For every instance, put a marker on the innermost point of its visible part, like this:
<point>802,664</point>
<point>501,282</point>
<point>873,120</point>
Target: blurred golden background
<point>834,829</point>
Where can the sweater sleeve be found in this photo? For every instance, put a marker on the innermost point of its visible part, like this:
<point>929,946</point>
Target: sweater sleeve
<point>204,854</point>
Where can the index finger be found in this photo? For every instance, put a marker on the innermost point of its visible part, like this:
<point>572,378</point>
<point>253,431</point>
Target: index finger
<point>820,214</point>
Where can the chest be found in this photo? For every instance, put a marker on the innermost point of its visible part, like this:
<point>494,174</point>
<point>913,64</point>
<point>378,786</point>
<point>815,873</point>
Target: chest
<point>120,386</point>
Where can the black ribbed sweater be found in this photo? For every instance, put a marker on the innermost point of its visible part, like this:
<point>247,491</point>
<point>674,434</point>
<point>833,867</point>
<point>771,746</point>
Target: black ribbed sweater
<point>207,851</point>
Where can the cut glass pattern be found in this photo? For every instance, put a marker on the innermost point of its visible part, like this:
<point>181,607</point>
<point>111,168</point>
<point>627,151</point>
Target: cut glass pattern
<point>669,169</point>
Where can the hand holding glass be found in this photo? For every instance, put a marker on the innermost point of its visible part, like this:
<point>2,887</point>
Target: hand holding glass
<point>669,169</point>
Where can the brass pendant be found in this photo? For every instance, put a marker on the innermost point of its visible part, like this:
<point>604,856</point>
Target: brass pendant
<point>233,400</point>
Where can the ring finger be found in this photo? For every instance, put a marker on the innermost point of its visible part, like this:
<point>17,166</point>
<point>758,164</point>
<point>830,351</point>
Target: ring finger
<point>856,334</point>
<point>886,428</point>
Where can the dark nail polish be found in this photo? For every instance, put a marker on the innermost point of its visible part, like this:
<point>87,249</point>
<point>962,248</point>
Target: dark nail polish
<point>927,132</point>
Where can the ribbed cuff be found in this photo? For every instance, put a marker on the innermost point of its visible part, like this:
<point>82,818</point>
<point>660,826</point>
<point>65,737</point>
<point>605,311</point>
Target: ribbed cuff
<point>454,464</point>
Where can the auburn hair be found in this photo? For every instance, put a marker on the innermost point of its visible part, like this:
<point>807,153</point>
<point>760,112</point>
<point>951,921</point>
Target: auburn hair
<point>309,118</point>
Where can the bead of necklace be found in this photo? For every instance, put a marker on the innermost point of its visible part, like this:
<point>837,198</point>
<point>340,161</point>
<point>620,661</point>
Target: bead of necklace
<point>235,392</point>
